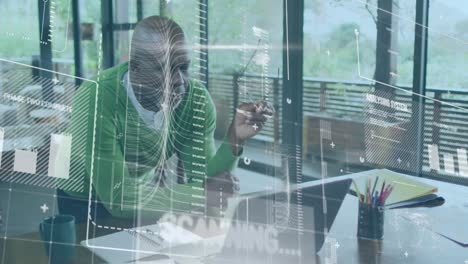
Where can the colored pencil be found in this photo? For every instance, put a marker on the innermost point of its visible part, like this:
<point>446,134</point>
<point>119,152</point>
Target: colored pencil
<point>365,194</point>
<point>377,197</point>
<point>368,186</point>
<point>387,193</point>
<point>381,193</point>
<point>390,191</point>
<point>357,192</point>
<point>375,184</point>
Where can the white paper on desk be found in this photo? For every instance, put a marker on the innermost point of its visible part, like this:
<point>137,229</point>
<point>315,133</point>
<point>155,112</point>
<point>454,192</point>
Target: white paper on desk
<point>173,234</point>
<point>448,221</point>
<point>121,247</point>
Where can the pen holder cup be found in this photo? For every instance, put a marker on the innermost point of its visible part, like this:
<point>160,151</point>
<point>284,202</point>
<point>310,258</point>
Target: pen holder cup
<point>370,222</point>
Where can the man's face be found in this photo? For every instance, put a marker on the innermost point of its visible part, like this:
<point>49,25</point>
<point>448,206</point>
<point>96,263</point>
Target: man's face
<point>161,79</point>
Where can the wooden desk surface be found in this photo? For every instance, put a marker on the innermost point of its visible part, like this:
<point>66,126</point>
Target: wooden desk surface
<point>404,242</point>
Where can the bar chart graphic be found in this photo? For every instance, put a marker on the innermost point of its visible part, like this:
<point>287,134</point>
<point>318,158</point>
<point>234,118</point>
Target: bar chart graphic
<point>25,161</point>
<point>28,160</point>
<point>38,145</point>
<point>59,156</point>
<point>448,161</point>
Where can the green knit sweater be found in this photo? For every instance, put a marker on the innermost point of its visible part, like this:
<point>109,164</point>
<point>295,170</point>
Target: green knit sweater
<point>116,152</point>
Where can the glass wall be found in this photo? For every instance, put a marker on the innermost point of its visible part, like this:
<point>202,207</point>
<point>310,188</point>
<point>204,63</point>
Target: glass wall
<point>446,140</point>
<point>448,52</point>
<point>61,36</point>
<point>367,102</point>
<point>151,7</point>
<point>353,49</point>
<point>90,18</point>
<point>20,30</point>
<point>245,65</point>
<point>124,13</point>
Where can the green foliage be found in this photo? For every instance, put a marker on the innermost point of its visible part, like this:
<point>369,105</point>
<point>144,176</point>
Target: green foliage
<point>334,56</point>
<point>461,29</point>
<point>331,55</point>
<point>342,36</point>
<point>90,13</point>
<point>19,20</point>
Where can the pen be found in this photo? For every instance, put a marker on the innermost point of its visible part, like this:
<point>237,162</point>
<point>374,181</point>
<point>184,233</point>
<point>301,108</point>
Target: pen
<point>249,114</point>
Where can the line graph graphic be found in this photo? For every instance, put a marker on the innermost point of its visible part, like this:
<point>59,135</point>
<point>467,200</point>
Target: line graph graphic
<point>356,32</point>
<point>57,33</point>
<point>287,38</point>
<point>55,23</point>
<point>413,22</point>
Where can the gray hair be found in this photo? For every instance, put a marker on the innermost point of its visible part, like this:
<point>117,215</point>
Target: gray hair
<point>153,38</point>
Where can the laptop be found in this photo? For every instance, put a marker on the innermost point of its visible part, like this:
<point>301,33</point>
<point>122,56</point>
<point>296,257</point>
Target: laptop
<point>272,227</point>
<point>262,227</point>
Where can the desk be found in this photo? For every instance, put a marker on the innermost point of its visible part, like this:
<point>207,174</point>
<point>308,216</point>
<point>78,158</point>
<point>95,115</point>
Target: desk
<point>404,242</point>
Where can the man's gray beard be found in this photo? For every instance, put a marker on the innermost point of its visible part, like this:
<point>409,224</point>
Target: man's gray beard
<point>150,106</point>
<point>174,102</point>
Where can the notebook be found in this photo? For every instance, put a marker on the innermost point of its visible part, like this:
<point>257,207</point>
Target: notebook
<point>405,187</point>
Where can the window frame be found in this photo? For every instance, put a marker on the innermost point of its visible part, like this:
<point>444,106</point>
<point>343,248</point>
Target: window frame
<point>293,22</point>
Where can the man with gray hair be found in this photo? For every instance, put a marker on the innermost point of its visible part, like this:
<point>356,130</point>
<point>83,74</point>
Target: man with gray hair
<point>147,111</point>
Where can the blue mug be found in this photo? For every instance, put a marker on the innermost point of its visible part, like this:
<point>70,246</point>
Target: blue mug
<point>59,236</point>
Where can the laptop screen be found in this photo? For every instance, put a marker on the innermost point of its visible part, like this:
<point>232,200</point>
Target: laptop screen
<point>287,226</point>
